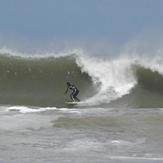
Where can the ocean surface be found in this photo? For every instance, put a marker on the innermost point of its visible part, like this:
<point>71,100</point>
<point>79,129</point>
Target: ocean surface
<point>119,118</point>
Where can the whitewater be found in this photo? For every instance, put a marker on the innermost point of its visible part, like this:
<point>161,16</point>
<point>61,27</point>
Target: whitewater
<point>119,118</point>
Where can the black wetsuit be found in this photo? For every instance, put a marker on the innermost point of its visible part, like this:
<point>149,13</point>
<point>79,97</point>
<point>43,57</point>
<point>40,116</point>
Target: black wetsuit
<point>74,92</point>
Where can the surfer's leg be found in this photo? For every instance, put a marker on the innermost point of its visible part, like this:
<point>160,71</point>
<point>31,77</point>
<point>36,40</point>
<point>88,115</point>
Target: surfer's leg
<point>75,94</point>
<point>77,99</point>
<point>72,96</point>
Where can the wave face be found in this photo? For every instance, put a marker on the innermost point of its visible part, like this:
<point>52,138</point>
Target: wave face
<point>41,81</point>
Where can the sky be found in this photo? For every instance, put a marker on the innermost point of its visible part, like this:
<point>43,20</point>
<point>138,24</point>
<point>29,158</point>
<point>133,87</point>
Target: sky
<point>43,23</point>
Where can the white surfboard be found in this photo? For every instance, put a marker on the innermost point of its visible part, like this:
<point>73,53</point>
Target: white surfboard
<point>71,102</point>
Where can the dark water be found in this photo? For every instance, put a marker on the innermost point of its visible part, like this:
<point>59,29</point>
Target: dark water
<point>40,81</point>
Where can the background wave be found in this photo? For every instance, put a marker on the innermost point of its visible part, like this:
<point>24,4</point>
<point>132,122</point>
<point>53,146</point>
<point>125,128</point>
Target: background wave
<point>147,92</point>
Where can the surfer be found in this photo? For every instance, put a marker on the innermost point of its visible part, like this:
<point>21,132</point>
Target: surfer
<point>74,92</point>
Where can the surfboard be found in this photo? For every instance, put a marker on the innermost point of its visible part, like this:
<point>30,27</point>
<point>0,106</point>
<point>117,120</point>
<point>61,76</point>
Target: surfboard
<point>71,102</point>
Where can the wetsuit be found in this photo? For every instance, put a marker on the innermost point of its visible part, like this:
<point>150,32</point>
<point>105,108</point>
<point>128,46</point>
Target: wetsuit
<point>74,92</point>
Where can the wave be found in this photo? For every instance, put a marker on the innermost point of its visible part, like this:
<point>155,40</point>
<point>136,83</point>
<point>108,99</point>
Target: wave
<point>40,81</point>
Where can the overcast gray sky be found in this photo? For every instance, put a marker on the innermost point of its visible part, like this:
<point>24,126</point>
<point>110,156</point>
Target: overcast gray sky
<point>37,22</point>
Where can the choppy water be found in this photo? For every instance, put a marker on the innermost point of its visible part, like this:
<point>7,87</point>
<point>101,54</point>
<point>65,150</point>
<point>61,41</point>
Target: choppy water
<point>79,135</point>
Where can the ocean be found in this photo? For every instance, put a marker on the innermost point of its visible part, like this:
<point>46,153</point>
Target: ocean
<point>119,118</point>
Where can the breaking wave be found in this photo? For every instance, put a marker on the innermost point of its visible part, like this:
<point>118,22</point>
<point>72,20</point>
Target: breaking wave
<point>40,81</point>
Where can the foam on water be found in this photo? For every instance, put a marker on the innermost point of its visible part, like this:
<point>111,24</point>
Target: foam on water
<point>112,78</point>
<point>25,109</point>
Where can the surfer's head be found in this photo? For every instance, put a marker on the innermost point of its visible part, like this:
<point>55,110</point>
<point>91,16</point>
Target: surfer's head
<point>68,83</point>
